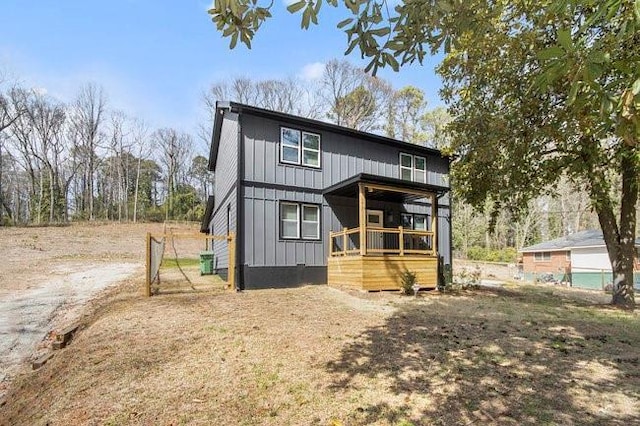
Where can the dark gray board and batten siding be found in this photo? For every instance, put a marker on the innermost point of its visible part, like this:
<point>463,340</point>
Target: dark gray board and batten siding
<point>225,189</point>
<point>342,158</point>
<point>266,181</point>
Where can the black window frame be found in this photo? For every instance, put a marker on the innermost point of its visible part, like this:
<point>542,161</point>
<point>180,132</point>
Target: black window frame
<point>301,149</point>
<point>413,220</point>
<point>300,205</point>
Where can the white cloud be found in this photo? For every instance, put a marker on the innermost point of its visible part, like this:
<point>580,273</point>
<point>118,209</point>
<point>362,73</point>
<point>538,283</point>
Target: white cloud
<point>312,71</point>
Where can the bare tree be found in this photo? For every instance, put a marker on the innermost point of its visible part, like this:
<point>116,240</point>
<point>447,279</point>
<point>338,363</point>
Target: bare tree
<point>201,177</point>
<point>175,149</point>
<point>353,98</point>
<point>120,145</point>
<point>87,117</point>
<point>10,108</point>
<point>10,111</point>
<point>40,138</point>
<point>290,96</point>
<point>144,147</point>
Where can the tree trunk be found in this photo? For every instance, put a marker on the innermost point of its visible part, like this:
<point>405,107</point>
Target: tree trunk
<point>135,193</point>
<point>620,240</point>
<point>90,187</point>
<point>40,196</point>
<point>623,268</point>
<point>2,203</point>
<point>52,201</point>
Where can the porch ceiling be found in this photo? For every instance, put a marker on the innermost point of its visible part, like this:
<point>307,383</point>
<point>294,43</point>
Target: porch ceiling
<point>384,188</point>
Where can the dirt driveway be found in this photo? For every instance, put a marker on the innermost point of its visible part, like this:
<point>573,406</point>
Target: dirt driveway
<point>48,275</point>
<point>27,316</point>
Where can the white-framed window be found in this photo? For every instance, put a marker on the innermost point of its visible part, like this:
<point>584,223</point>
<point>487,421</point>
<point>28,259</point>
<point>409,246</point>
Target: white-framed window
<point>289,220</point>
<point>310,149</point>
<point>420,222</point>
<point>375,218</point>
<point>406,166</point>
<point>419,169</point>
<point>299,147</point>
<point>413,168</point>
<point>289,145</point>
<point>310,222</point>
<point>542,256</point>
<point>299,221</point>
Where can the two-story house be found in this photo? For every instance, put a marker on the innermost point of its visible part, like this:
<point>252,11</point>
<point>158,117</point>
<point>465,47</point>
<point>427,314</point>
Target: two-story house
<point>312,202</point>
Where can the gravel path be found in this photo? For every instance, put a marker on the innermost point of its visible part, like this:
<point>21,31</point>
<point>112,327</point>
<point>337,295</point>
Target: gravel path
<point>27,316</point>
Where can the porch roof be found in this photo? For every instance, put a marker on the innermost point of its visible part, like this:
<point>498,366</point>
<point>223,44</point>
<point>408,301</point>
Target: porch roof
<point>385,188</point>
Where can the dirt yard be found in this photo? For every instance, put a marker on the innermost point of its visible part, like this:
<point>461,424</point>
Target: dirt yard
<point>50,274</point>
<point>320,356</point>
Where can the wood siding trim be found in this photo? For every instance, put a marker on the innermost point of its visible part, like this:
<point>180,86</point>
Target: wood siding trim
<point>375,273</point>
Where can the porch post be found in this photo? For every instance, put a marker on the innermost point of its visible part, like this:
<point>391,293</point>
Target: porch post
<point>362,218</point>
<point>434,222</point>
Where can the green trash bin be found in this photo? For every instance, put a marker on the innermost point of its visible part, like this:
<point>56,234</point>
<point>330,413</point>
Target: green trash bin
<point>206,263</point>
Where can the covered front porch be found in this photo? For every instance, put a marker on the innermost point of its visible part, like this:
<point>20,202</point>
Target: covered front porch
<point>396,231</point>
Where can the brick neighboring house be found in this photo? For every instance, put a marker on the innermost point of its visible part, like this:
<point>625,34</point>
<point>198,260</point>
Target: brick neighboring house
<point>580,259</point>
<point>547,261</point>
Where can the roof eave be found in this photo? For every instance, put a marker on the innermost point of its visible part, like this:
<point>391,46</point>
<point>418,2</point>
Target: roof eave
<point>374,179</point>
<point>543,250</point>
<point>276,115</point>
<point>221,106</point>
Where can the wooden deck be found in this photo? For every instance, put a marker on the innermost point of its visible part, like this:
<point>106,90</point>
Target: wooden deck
<point>374,273</point>
<point>373,258</point>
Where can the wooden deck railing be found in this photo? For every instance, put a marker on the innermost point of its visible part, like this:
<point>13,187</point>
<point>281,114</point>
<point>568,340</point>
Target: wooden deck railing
<point>398,241</point>
<point>345,242</point>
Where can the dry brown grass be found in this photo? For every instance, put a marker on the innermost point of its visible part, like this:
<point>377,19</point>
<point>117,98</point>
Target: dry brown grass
<point>319,356</point>
<point>29,254</point>
<point>315,355</point>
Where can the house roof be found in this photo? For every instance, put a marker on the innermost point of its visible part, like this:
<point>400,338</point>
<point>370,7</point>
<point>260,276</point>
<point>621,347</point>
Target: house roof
<point>349,188</point>
<point>588,238</point>
<point>221,107</point>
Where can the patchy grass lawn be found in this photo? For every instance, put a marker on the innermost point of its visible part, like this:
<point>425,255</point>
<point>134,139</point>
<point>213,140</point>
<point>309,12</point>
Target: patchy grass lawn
<point>319,356</point>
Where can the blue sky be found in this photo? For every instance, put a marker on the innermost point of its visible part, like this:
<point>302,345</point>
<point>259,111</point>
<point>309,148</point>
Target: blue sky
<point>154,58</point>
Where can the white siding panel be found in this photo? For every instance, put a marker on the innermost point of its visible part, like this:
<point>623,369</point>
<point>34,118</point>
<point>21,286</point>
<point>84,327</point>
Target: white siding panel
<point>590,259</point>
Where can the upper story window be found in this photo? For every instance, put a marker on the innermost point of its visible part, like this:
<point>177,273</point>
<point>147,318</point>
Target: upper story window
<point>299,147</point>
<point>413,168</point>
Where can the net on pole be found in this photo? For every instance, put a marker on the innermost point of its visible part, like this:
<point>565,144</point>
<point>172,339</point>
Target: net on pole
<point>186,263</point>
<point>156,253</point>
